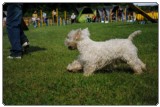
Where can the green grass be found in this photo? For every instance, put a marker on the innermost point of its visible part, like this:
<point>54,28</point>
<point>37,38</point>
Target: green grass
<point>40,78</point>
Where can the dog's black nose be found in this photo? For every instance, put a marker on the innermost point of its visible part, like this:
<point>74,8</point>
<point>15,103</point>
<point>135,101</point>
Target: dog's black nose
<point>70,47</point>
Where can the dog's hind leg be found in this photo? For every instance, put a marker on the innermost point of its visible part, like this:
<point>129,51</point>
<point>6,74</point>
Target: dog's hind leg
<point>136,65</point>
<point>143,66</point>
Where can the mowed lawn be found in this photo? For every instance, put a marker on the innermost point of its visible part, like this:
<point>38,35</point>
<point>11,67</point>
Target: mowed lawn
<point>41,78</point>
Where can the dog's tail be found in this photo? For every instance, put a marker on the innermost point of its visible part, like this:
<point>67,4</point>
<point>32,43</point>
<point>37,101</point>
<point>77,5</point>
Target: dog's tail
<point>132,35</point>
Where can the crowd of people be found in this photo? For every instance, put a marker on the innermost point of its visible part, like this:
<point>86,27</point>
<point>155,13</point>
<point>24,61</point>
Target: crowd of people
<point>36,20</point>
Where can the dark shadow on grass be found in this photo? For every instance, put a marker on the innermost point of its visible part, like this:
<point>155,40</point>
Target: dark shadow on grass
<point>107,70</point>
<point>117,69</point>
<point>118,66</point>
<point>32,49</point>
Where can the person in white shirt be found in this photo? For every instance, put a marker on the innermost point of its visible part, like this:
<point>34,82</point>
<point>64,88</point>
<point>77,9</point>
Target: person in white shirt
<point>73,17</point>
<point>54,16</point>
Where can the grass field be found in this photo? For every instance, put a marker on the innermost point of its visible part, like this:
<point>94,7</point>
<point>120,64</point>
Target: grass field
<point>40,78</point>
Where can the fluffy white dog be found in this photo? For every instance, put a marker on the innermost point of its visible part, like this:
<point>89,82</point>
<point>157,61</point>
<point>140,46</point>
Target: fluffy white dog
<point>96,55</point>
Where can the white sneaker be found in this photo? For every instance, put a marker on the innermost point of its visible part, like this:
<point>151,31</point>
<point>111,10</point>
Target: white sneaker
<point>25,44</point>
<point>14,57</point>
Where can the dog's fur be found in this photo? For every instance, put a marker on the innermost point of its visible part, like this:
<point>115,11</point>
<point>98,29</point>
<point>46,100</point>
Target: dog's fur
<point>96,55</point>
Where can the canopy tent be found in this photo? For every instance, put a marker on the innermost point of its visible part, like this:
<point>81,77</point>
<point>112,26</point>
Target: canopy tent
<point>146,4</point>
<point>83,13</point>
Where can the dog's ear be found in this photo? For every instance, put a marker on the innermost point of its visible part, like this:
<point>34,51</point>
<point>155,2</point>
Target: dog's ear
<point>86,32</point>
<point>78,34</point>
<point>86,29</point>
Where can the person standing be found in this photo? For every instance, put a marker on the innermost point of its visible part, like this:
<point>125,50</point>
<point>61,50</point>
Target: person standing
<point>34,19</point>
<point>18,40</point>
<point>45,19</point>
<point>73,18</point>
<point>54,16</point>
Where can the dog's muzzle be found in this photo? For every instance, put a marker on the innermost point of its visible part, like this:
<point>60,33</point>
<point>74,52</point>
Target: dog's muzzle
<point>71,48</point>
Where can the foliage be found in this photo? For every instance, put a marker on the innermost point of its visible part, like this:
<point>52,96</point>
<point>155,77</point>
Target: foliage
<point>40,78</point>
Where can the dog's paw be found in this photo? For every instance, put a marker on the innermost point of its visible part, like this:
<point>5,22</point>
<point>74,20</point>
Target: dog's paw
<point>87,74</point>
<point>72,68</point>
<point>69,68</point>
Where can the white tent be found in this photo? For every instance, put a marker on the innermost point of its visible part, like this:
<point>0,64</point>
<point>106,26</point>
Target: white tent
<point>146,4</point>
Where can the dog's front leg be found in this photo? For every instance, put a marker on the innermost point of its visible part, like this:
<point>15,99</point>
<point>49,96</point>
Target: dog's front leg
<point>75,66</point>
<point>89,69</point>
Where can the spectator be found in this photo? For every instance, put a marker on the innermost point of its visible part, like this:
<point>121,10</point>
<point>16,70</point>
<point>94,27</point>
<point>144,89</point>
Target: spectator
<point>4,21</point>
<point>120,14</point>
<point>73,18</point>
<point>54,16</point>
<point>34,19</point>
<point>45,18</point>
<point>94,18</point>
<point>4,18</point>
<point>88,19</point>
<point>103,16</point>
<point>17,38</point>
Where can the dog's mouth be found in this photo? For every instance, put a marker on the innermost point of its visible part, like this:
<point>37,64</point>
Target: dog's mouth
<point>71,48</point>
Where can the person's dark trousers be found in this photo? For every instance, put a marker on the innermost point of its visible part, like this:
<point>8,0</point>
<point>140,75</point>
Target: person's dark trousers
<point>15,32</point>
<point>72,21</point>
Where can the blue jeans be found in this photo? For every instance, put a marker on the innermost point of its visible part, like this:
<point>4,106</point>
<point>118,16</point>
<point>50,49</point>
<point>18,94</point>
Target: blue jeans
<point>14,28</point>
<point>35,23</point>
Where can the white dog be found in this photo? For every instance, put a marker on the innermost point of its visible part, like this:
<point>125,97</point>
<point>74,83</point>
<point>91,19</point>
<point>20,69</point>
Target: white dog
<point>96,55</point>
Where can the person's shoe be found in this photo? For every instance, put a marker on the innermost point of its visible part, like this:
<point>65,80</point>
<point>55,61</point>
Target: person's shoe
<point>25,46</point>
<point>14,57</point>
